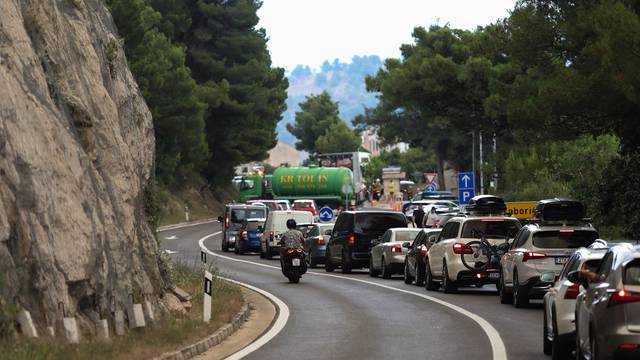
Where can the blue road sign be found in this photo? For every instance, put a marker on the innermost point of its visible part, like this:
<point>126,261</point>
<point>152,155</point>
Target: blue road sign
<point>466,188</point>
<point>325,214</point>
<point>430,188</point>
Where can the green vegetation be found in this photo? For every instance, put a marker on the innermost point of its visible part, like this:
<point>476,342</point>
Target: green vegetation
<point>172,332</point>
<point>319,129</point>
<point>556,82</point>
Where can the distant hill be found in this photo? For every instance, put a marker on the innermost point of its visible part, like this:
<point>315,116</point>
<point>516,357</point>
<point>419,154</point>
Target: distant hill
<point>343,81</point>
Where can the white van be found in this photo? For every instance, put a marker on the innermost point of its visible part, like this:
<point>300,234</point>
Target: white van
<point>275,225</point>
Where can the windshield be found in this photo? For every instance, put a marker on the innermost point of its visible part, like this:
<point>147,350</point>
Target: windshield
<point>402,236</point>
<point>238,215</point>
<point>632,273</point>
<point>493,228</point>
<point>378,223</point>
<point>253,225</point>
<point>304,229</point>
<point>563,240</point>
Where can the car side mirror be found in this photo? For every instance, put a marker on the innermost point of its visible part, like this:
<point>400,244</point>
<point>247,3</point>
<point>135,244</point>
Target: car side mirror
<point>220,219</point>
<point>406,245</point>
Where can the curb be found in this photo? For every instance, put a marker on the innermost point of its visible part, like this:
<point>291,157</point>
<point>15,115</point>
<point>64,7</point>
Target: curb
<point>212,340</point>
<point>185,224</point>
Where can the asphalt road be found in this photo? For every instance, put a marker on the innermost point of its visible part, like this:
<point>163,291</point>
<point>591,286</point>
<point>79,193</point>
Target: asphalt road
<point>335,317</point>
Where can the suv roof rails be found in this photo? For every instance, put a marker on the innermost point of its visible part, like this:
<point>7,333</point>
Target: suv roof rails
<point>586,222</point>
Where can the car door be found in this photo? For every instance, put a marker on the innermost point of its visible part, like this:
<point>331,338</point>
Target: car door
<point>376,251</point>
<point>310,239</point>
<point>437,251</point>
<point>509,259</point>
<point>414,250</point>
<point>339,236</point>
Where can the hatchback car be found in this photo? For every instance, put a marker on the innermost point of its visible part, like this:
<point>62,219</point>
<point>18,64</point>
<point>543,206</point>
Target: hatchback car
<point>414,264</point>
<point>608,310</point>
<point>544,245</point>
<point>484,217</point>
<point>560,302</point>
<point>388,253</point>
<point>350,243</point>
<point>315,243</point>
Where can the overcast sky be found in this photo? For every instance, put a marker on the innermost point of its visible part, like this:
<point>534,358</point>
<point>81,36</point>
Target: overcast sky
<point>310,31</point>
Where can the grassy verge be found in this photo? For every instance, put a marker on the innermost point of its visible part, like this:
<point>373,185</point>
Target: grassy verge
<point>170,333</point>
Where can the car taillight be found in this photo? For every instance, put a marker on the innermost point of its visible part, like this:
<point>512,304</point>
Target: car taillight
<point>226,222</point>
<point>319,240</point>
<point>271,235</point>
<point>244,234</point>
<point>352,239</point>
<point>628,346</point>
<point>623,296</point>
<point>423,251</point>
<point>290,251</point>
<point>396,249</point>
<point>572,292</point>
<point>299,250</point>
<point>457,248</point>
<point>530,255</point>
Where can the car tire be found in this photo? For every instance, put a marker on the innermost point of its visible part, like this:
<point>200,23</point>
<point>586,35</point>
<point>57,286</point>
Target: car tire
<point>546,343</point>
<point>262,253</point>
<point>236,249</point>
<point>268,254</point>
<point>346,264</point>
<point>328,263</point>
<point>593,344</point>
<point>311,262</point>
<point>407,277</point>
<point>560,347</point>
<point>386,272</point>
<point>506,296</point>
<point>448,285</point>
<point>429,283</point>
<point>372,272</point>
<point>520,294</point>
<point>225,245</point>
<point>420,274</point>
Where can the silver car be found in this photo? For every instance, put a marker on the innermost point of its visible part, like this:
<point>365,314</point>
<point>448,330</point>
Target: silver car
<point>389,251</point>
<point>608,309</point>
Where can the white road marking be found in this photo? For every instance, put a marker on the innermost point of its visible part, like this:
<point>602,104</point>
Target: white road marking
<point>170,251</point>
<point>497,345</point>
<point>172,237</point>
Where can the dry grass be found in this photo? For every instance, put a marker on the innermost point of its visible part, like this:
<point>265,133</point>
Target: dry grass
<point>172,331</point>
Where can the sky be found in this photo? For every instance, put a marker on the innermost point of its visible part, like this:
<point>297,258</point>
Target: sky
<point>308,32</point>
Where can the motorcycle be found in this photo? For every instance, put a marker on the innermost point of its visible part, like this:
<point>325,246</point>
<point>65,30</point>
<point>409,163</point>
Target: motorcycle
<point>293,264</point>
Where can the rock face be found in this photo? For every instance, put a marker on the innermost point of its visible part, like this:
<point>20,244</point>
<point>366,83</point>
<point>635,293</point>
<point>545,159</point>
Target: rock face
<point>76,154</point>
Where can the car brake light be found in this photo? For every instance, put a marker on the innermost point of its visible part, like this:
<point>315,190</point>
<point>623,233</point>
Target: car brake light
<point>319,240</point>
<point>492,220</point>
<point>226,222</point>
<point>244,234</point>
<point>396,249</point>
<point>271,235</point>
<point>567,230</point>
<point>290,251</point>
<point>623,296</point>
<point>299,250</point>
<point>628,346</point>
<point>457,249</point>
<point>530,255</point>
<point>572,292</point>
<point>352,239</point>
<point>423,251</point>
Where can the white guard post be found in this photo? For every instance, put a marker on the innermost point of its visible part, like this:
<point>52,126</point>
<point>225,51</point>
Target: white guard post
<point>208,288</point>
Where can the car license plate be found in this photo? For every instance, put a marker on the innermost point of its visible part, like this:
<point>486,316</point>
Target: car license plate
<point>494,275</point>
<point>295,262</point>
<point>561,260</point>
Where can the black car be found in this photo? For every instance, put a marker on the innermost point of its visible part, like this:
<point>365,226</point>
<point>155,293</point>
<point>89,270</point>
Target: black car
<point>350,243</point>
<point>414,264</point>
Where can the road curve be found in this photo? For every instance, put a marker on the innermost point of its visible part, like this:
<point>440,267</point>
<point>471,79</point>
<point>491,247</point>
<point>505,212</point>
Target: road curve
<point>338,318</point>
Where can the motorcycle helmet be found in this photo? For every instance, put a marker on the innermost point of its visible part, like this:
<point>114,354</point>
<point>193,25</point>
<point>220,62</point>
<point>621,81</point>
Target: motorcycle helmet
<point>291,224</point>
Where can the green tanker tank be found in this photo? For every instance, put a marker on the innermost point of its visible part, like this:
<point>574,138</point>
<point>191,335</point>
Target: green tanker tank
<point>323,184</point>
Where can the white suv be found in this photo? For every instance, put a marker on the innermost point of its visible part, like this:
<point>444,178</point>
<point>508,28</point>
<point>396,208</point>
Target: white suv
<point>444,262</point>
<point>543,246</point>
<point>560,302</point>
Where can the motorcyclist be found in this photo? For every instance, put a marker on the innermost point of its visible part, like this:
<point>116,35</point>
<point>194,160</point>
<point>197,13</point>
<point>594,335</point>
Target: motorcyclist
<point>290,239</point>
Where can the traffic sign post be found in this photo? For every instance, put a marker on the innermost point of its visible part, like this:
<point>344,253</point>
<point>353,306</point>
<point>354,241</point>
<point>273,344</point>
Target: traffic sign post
<point>346,190</point>
<point>466,187</point>
<point>325,214</point>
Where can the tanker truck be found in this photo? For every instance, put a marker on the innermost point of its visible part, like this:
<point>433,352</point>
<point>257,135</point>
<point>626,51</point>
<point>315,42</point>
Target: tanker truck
<point>324,185</point>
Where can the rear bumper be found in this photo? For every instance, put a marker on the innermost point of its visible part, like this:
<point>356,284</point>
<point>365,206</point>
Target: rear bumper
<point>610,347</point>
<point>536,288</point>
<point>359,259</point>
<point>318,254</point>
<point>478,278</point>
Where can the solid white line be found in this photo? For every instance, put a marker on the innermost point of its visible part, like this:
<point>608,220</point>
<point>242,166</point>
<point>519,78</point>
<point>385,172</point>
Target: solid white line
<point>277,326</point>
<point>184,225</point>
<point>497,345</point>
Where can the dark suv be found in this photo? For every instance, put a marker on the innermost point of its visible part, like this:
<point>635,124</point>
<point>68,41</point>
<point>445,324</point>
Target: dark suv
<point>350,243</point>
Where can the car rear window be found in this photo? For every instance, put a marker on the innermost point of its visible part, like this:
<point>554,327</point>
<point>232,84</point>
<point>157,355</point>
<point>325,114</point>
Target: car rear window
<point>369,223</point>
<point>303,204</point>
<point>238,215</point>
<point>493,228</point>
<point>563,240</point>
<point>304,229</point>
<point>632,273</point>
<point>403,236</point>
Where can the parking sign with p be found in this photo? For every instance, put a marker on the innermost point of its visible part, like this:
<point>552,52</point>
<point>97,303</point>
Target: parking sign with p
<point>466,188</point>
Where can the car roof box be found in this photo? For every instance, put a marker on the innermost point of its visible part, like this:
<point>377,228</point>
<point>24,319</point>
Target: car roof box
<point>486,204</point>
<point>559,209</point>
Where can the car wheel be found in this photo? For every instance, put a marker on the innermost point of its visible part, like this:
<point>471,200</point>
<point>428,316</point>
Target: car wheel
<point>419,270</point>
<point>546,343</point>
<point>311,263</point>
<point>386,272</point>
<point>262,253</point>
<point>225,245</point>
<point>593,346</point>
<point>430,284</point>
<point>579,354</point>
<point>407,277</point>
<point>520,295</point>
<point>448,285</point>
<point>328,263</point>
<point>346,264</point>
<point>372,272</point>
<point>506,297</point>
<point>236,249</point>
<point>560,347</point>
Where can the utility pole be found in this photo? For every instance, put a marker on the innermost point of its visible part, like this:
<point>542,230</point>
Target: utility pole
<point>473,154</point>
<point>495,164</point>
<point>481,165</point>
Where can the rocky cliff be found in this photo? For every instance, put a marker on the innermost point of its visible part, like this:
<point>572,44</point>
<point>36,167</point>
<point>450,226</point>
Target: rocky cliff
<point>76,154</point>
